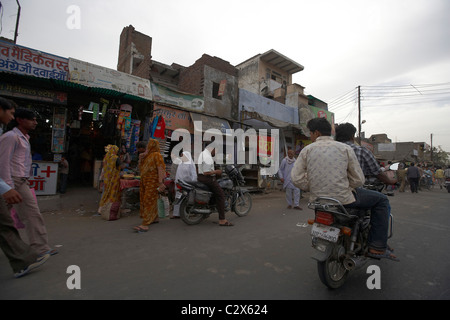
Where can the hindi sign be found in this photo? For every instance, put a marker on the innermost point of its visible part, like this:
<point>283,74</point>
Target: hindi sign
<point>30,62</point>
<point>44,178</point>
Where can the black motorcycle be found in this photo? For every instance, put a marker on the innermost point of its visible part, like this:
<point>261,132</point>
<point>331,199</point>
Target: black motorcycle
<point>197,201</point>
<point>339,236</point>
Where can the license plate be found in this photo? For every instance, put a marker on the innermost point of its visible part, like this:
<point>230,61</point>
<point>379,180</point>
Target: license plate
<point>178,195</point>
<point>325,232</point>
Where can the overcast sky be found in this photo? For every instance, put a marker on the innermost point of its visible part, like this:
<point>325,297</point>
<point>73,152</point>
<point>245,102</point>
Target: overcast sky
<point>398,51</point>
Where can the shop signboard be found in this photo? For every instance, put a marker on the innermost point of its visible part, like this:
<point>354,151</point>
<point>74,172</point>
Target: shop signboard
<point>92,75</point>
<point>29,93</point>
<point>44,177</point>
<point>174,118</point>
<point>30,62</point>
<point>183,100</point>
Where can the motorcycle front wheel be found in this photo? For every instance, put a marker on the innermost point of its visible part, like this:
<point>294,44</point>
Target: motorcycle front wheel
<point>243,204</point>
<point>189,217</point>
<point>332,272</point>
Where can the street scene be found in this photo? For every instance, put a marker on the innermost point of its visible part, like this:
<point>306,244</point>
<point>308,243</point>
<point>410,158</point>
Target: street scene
<point>265,256</point>
<point>156,150</point>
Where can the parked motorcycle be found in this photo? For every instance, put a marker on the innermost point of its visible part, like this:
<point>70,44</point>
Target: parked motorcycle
<point>197,201</point>
<point>339,236</point>
<point>447,184</point>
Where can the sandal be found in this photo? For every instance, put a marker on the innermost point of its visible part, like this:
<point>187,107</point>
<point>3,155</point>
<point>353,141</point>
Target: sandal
<point>140,229</point>
<point>226,224</point>
<point>387,254</point>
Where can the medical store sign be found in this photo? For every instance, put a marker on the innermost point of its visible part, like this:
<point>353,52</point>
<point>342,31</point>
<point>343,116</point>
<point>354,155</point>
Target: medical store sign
<point>30,62</point>
<point>44,177</point>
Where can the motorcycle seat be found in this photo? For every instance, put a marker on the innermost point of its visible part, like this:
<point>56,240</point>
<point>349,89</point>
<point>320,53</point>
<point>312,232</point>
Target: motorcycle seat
<point>200,185</point>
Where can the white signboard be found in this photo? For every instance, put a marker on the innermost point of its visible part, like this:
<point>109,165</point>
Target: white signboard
<point>91,75</point>
<point>44,177</point>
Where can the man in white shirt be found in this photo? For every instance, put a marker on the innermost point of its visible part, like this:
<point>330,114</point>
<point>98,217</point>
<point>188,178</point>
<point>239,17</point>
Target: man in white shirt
<point>328,168</point>
<point>207,175</point>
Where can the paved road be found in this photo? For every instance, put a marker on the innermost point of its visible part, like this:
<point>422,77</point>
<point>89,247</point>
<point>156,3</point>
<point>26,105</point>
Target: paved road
<point>265,256</point>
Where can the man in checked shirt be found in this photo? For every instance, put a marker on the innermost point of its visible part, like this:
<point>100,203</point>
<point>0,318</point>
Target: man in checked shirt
<point>345,133</point>
<point>328,168</point>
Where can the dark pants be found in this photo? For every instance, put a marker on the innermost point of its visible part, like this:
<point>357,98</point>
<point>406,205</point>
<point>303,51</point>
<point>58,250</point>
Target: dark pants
<point>63,182</point>
<point>414,184</point>
<point>19,254</point>
<point>218,193</point>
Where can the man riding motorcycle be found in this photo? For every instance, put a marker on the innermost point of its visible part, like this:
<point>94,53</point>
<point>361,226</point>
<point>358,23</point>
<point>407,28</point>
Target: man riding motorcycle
<point>328,168</point>
<point>207,175</point>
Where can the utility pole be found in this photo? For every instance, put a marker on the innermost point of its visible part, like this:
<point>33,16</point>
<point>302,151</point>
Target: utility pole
<point>16,32</point>
<point>359,115</point>
<point>431,154</point>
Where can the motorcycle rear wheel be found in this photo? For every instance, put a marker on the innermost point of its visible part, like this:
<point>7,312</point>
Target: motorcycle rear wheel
<point>243,204</point>
<point>332,272</point>
<point>187,216</point>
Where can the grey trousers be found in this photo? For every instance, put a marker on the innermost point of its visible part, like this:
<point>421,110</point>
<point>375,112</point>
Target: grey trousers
<point>19,254</point>
<point>29,213</point>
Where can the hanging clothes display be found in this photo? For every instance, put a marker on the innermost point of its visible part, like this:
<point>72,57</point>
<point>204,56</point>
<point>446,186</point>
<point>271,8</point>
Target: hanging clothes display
<point>160,128</point>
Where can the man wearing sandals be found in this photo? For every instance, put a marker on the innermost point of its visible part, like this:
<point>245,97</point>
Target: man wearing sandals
<point>328,168</point>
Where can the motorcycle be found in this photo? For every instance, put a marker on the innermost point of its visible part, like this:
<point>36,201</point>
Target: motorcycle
<point>339,236</point>
<point>197,201</point>
<point>447,184</point>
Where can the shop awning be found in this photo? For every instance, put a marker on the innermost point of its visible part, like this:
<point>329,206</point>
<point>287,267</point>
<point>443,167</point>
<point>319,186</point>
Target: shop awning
<point>209,122</point>
<point>61,85</point>
<point>273,122</point>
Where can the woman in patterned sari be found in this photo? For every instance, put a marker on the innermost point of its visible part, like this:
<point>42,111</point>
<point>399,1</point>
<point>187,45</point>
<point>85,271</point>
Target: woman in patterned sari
<point>152,169</point>
<point>111,177</point>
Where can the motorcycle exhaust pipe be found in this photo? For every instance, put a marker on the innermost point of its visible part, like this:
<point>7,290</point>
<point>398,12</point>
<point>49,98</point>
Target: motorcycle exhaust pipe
<point>353,263</point>
<point>201,211</point>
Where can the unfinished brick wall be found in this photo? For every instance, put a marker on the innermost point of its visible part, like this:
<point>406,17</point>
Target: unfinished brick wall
<point>132,41</point>
<point>192,78</point>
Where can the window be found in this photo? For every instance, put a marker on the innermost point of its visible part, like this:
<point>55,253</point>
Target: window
<point>215,91</point>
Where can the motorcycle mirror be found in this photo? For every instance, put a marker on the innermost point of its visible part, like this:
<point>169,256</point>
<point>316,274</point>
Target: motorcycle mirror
<point>394,166</point>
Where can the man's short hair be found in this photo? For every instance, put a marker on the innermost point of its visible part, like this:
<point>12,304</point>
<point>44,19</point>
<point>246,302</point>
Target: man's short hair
<point>25,114</point>
<point>141,144</point>
<point>345,132</point>
<point>319,124</point>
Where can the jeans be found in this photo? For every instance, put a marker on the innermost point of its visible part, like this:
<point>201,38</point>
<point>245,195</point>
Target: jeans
<point>379,206</point>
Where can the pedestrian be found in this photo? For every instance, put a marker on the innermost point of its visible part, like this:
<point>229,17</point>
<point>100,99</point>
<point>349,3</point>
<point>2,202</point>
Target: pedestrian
<point>447,172</point>
<point>401,177</point>
<point>284,173</point>
<point>15,157</point>
<point>328,168</point>
<point>22,258</point>
<point>185,172</point>
<point>124,156</point>
<point>110,200</point>
<point>153,172</point>
<point>63,174</point>
<point>207,174</point>
<point>413,175</point>
<point>439,175</point>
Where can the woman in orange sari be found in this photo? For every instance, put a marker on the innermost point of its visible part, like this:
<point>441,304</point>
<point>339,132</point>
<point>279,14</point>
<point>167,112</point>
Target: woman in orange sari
<point>111,177</point>
<point>152,170</point>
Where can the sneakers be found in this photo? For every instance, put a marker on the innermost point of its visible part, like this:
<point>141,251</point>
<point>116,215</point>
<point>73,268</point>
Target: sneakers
<point>39,262</point>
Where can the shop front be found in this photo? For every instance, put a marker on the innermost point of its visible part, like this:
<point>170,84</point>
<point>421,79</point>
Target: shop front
<point>74,120</point>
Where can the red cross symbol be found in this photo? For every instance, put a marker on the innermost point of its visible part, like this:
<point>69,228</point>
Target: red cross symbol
<point>48,171</point>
